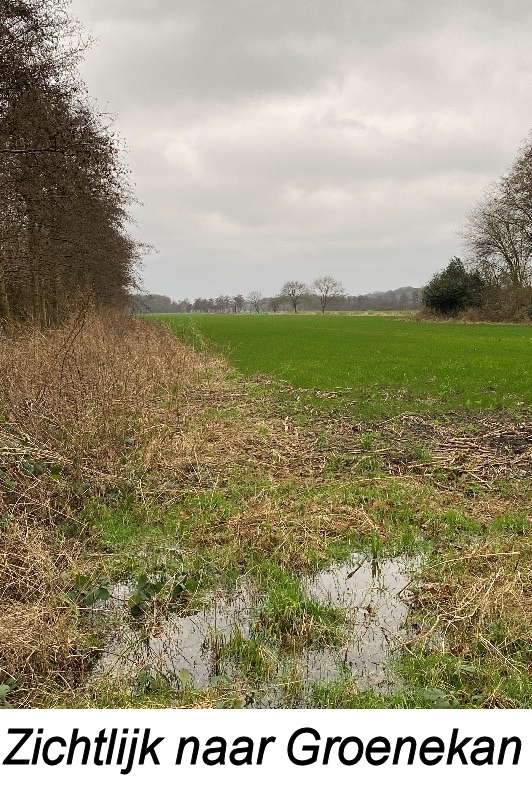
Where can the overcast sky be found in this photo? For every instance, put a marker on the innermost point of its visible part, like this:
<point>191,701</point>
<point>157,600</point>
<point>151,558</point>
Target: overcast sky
<point>286,139</point>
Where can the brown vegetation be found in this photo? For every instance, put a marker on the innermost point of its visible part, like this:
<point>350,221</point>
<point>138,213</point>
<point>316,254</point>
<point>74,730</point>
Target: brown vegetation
<point>77,403</point>
<point>108,405</point>
<point>478,610</point>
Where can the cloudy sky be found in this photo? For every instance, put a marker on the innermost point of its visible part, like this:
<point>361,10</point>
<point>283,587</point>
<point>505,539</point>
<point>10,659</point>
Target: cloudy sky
<point>286,139</point>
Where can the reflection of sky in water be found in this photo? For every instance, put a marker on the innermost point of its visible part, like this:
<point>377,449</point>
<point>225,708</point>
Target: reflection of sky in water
<point>374,601</point>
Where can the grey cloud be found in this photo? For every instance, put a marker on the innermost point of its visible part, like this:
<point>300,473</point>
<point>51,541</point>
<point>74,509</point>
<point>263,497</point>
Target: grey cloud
<point>293,137</point>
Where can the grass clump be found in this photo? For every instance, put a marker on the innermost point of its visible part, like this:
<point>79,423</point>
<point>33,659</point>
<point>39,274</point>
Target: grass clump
<point>251,657</point>
<point>475,614</point>
<point>293,620</point>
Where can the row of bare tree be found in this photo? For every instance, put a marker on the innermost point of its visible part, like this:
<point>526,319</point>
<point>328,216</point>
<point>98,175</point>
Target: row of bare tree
<point>403,298</point>
<point>64,191</point>
<point>325,289</point>
<point>293,293</point>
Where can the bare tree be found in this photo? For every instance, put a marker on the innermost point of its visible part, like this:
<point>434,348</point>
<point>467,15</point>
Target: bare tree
<point>275,303</point>
<point>500,247</point>
<point>517,186</point>
<point>294,293</point>
<point>237,303</point>
<point>222,303</point>
<point>255,299</point>
<point>498,235</point>
<point>325,288</point>
<point>64,192</point>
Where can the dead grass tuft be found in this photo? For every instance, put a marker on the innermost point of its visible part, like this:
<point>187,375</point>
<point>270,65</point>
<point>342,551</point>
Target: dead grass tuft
<point>479,606</point>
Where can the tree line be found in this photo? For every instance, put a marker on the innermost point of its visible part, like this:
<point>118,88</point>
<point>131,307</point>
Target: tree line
<point>495,280</point>
<point>64,190</point>
<point>404,298</point>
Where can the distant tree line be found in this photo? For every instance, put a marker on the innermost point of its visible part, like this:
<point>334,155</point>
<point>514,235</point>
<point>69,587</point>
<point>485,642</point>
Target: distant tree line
<point>223,304</point>
<point>294,296</point>
<point>495,281</point>
<point>64,191</point>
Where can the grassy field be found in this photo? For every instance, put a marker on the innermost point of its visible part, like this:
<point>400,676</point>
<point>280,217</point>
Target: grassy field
<point>383,364</point>
<point>392,458</point>
<point>303,511</point>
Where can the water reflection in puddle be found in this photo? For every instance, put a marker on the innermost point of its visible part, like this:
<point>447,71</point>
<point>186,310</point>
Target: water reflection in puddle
<point>179,642</point>
<point>375,599</point>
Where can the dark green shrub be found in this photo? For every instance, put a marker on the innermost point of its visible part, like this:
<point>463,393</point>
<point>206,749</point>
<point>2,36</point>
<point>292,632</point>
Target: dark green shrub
<point>454,289</point>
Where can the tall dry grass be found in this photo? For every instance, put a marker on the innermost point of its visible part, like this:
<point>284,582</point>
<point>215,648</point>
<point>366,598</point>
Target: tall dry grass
<point>77,407</point>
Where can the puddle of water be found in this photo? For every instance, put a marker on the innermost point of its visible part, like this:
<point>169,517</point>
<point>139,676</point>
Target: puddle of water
<point>375,599</point>
<point>180,642</point>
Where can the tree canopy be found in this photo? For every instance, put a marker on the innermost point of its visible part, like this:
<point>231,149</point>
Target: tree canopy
<point>326,289</point>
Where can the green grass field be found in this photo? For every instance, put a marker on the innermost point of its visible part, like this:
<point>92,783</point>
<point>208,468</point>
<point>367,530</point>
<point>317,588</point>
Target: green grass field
<point>383,365</point>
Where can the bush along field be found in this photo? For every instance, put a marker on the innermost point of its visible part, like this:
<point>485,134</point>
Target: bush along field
<point>268,511</point>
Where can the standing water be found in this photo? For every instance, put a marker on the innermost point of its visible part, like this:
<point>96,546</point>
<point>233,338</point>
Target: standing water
<point>190,648</point>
